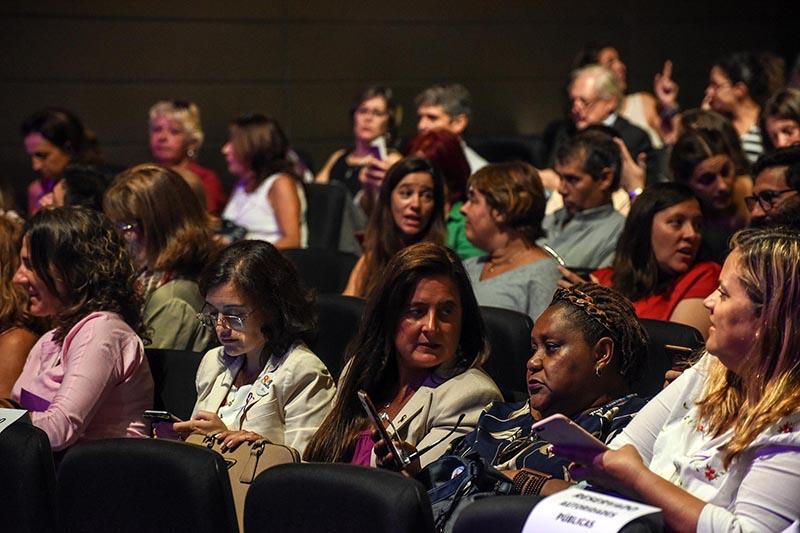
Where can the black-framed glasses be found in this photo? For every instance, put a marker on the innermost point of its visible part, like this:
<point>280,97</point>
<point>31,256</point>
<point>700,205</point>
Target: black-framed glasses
<point>211,319</point>
<point>766,199</point>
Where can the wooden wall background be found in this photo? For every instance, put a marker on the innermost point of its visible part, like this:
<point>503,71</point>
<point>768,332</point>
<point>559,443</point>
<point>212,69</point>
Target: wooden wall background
<point>304,60</point>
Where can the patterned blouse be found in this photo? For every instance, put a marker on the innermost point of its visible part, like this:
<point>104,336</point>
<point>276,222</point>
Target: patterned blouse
<point>504,438</point>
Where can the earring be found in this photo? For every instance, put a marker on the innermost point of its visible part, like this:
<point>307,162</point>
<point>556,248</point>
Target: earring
<point>190,152</point>
<point>597,371</point>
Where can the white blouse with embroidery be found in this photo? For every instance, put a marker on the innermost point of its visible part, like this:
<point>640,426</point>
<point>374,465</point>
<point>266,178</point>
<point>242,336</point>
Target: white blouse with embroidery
<point>761,489</point>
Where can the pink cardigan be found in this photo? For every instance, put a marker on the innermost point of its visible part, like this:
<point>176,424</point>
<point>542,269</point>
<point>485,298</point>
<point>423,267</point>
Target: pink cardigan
<point>96,385</point>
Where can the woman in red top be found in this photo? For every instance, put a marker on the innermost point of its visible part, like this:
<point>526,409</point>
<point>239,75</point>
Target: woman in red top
<point>656,266</point>
<point>175,138</point>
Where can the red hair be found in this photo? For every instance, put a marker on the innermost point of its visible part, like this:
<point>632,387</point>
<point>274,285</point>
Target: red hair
<point>443,149</point>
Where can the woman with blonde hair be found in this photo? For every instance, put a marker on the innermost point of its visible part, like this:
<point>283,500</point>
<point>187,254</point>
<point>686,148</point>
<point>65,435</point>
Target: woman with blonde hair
<point>176,136</point>
<point>18,329</point>
<point>504,212</point>
<point>719,449</point>
<point>170,242</point>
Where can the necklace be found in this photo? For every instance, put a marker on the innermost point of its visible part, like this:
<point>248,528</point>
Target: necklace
<point>494,264</point>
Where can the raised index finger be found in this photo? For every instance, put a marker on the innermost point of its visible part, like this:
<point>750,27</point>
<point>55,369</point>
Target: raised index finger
<point>667,70</point>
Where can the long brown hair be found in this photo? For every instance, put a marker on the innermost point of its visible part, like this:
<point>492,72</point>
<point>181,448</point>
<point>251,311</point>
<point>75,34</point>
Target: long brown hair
<point>372,355</point>
<point>383,238</point>
<point>768,387</point>
<point>13,302</point>
<point>175,227</point>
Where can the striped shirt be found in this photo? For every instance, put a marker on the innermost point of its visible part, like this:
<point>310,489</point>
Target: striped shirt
<point>752,144</point>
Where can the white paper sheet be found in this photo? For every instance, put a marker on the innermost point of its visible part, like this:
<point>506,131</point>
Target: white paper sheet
<point>576,509</point>
<point>9,416</point>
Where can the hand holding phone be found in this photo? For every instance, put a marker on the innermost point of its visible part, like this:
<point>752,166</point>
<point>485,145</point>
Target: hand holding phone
<point>400,459</point>
<point>160,416</point>
<point>560,430</point>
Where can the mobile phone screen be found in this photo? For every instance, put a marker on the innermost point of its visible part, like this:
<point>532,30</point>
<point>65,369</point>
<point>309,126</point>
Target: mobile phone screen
<point>372,413</point>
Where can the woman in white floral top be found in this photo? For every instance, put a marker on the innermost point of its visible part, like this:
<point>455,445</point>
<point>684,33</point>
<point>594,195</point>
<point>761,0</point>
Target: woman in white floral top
<point>719,449</point>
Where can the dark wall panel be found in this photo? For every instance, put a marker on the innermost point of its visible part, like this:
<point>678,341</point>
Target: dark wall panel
<point>304,60</point>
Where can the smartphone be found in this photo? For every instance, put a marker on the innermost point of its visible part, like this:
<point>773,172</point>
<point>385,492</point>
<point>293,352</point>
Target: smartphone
<point>161,416</point>
<point>400,458</point>
<point>558,429</point>
<point>378,148</point>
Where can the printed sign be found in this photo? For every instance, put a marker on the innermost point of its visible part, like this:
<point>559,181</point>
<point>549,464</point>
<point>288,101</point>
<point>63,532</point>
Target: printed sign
<point>577,509</point>
<point>9,416</point>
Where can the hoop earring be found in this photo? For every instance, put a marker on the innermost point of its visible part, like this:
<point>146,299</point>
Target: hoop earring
<point>597,371</point>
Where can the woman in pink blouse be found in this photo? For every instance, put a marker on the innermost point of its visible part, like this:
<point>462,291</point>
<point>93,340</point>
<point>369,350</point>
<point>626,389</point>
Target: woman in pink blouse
<point>87,378</point>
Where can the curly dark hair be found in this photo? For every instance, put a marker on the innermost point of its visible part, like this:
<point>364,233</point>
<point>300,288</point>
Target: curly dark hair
<point>599,312</point>
<point>269,282</point>
<point>372,355</point>
<point>80,248</point>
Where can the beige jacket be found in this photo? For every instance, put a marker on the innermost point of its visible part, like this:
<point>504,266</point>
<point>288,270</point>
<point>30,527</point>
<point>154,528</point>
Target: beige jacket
<point>432,412</point>
<point>288,403</point>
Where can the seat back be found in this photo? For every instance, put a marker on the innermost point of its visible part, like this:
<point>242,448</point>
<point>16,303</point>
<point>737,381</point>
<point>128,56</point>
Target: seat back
<point>339,320</point>
<point>669,343</point>
<point>174,373</point>
<point>323,269</point>
<point>509,334</point>
<point>27,479</point>
<point>336,498</point>
<point>324,214</point>
<point>132,485</point>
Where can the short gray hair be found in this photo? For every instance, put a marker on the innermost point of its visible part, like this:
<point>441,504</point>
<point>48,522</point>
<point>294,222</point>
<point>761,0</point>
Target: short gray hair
<point>453,97</point>
<point>607,84</point>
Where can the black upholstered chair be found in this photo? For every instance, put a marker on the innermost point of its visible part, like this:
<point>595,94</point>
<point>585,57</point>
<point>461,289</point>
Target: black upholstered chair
<point>133,485</point>
<point>174,373</point>
<point>509,334</point>
<point>335,498</point>
<point>507,514</point>
<point>324,269</point>
<point>339,319</point>
<point>669,342</point>
<point>324,213</point>
<point>27,480</point>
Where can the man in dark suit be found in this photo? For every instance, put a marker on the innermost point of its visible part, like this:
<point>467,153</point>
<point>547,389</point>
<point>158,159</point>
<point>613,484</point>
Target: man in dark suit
<point>595,96</point>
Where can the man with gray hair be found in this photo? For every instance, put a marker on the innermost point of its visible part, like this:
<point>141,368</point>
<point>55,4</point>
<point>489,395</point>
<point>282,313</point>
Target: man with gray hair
<point>449,107</point>
<point>595,97</point>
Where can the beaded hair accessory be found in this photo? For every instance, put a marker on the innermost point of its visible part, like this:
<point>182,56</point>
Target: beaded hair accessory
<point>586,303</point>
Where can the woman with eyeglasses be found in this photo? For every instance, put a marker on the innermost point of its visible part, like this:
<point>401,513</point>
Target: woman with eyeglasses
<point>702,159</point>
<point>176,136</point>
<point>375,121</point>
<point>170,242</point>
<point>88,377</point>
<point>263,382</point>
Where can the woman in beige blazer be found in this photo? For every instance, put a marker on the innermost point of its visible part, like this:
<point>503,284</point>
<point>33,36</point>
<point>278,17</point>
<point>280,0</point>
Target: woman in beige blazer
<point>263,381</point>
<point>418,355</point>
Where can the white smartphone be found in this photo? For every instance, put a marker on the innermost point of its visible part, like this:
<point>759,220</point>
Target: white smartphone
<point>558,429</point>
<point>378,148</point>
<point>400,458</point>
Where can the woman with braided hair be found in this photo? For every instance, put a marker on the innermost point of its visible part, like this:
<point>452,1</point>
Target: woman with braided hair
<point>586,349</point>
<point>87,378</point>
<point>719,449</point>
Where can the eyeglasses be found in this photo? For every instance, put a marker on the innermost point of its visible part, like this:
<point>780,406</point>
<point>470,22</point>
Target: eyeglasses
<point>211,319</point>
<point>377,113</point>
<point>766,199</point>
